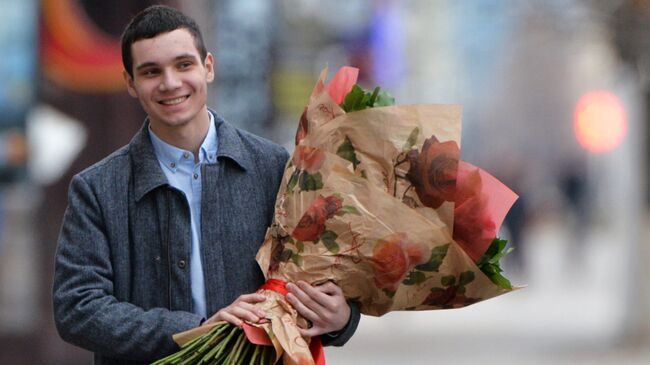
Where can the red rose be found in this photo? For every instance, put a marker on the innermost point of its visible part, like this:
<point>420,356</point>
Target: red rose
<point>394,257</point>
<point>308,158</point>
<point>441,297</point>
<point>433,171</point>
<point>332,205</point>
<point>312,223</point>
<point>449,298</point>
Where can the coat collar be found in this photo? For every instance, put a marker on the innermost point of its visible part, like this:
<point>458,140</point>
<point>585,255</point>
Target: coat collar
<point>231,146</point>
<point>147,172</point>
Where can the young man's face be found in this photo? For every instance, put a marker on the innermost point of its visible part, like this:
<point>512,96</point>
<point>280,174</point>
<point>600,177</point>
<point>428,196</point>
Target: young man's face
<point>170,79</point>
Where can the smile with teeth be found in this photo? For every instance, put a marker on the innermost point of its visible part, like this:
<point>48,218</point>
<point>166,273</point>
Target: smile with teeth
<point>174,101</point>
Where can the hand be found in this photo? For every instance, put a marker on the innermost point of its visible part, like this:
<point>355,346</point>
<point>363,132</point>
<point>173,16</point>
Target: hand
<point>242,309</point>
<point>323,305</point>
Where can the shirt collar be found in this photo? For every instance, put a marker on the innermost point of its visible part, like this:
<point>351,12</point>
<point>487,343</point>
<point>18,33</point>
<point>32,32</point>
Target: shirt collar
<point>171,156</point>
<point>208,150</point>
<point>147,172</point>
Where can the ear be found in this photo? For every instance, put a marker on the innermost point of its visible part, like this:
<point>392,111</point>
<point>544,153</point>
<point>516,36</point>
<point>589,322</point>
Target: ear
<point>209,67</point>
<point>129,84</point>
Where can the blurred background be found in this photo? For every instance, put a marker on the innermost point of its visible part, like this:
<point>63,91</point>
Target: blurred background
<point>556,97</point>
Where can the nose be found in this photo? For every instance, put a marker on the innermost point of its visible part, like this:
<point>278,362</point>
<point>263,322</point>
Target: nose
<point>170,81</point>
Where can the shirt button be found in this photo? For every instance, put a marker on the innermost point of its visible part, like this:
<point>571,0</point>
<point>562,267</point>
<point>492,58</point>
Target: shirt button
<point>186,155</point>
<point>196,176</point>
<point>173,164</point>
<point>181,264</point>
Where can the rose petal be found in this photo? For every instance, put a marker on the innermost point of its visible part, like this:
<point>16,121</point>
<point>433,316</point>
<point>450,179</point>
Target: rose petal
<point>342,83</point>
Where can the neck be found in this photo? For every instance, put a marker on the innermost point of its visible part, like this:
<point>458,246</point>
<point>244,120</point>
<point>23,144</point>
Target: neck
<point>188,136</point>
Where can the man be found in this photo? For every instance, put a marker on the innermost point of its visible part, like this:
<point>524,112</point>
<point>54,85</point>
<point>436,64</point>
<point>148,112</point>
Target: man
<point>161,235</point>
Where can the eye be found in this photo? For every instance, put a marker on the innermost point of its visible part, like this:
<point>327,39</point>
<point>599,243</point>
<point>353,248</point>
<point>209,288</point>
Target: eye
<point>150,72</point>
<point>184,65</point>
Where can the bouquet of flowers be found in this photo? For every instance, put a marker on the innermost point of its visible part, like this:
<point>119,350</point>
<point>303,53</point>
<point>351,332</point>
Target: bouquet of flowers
<point>376,199</point>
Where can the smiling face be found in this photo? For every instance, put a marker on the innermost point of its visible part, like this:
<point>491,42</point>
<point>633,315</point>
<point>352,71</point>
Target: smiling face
<point>170,80</point>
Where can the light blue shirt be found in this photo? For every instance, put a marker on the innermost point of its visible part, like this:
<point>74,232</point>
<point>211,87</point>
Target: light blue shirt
<point>185,175</point>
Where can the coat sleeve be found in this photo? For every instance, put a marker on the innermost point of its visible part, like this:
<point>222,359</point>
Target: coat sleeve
<point>340,338</point>
<point>86,312</point>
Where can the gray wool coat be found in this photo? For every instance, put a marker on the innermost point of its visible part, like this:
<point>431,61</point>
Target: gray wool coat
<point>122,274</point>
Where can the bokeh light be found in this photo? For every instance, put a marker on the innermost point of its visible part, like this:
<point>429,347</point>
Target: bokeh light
<point>599,122</point>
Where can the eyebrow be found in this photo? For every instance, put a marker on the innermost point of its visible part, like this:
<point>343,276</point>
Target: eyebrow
<point>180,57</point>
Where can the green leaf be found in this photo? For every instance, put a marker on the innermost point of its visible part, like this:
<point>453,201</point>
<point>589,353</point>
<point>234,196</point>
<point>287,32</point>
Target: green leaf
<point>286,255</point>
<point>346,151</point>
<point>501,281</point>
<point>438,290</point>
<point>359,99</point>
<point>496,258</point>
<point>460,290</point>
<point>329,240</point>
<point>365,101</point>
<point>310,182</point>
<point>448,280</point>
<point>495,248</point>
<point>414,278</point>
<point>329,235</point>
<point>490,269</point>
<point>384,99</point>
<point>411,140</point>
<point>437,256</point>
<point>293,180</point>
<point>302,180</point>
<point>374,95</point>
<point>297,259</point>
<point>389,293</point>
<point>349,209</point>
<point>300,246</point>
<point>490,266</point>
<point>353,99</point>
<point>466,277</point>
<point>317,179</point>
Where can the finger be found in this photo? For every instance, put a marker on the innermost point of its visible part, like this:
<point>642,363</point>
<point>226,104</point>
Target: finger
<point>317,296</point>
<point>230,318</point>
<point>305,298</point>
<point>251,314</point>
<point>242,312</point>
<point>311,332</point>
<point>329,288</point>
<point>302,309</point>
<point>250,307</point>
<point>251,298</point>
<point>213,319</point>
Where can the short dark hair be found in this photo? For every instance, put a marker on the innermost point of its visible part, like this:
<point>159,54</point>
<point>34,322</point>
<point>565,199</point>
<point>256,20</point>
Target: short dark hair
<point>151,22</point>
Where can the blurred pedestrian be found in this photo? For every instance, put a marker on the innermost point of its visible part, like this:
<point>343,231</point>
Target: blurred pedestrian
<point>573,185</point>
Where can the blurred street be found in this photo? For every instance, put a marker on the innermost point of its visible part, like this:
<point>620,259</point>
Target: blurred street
<point>571,312</point>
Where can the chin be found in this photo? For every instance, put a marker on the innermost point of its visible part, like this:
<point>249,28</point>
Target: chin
<point>176,122</point>
<point>178,118</point>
